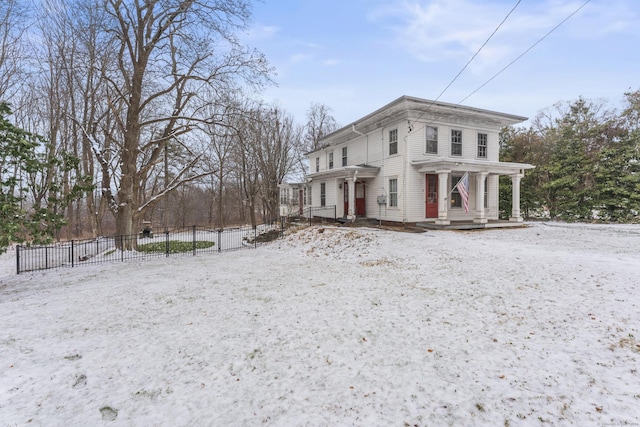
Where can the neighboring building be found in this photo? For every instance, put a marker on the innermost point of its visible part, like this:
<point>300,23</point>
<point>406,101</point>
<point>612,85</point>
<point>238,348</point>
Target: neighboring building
<point>402,162</point>
<point>292,199</point>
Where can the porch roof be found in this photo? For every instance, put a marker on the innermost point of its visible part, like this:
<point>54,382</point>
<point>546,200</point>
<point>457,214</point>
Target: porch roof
<point>436,164</point>
<point>360,171</point>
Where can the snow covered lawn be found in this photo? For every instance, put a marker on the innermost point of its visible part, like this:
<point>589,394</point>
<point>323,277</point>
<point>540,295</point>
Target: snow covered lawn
<point>335,326</point>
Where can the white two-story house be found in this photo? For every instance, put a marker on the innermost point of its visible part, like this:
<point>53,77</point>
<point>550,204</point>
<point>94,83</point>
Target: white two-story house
<point>402,162</point>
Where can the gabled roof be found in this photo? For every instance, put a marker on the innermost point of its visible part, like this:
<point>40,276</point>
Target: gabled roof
<point>412,109</point>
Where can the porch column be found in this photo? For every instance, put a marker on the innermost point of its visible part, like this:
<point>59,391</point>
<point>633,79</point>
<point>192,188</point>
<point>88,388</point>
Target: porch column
<point>443,199</point>
<point>480,218</point>
<point>515,198</point>
<point>351,211</point>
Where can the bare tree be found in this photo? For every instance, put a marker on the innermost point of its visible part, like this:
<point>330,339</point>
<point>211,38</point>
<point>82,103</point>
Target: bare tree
<point>12,27</point>
<point>169,52</point>
<point>320,122</point>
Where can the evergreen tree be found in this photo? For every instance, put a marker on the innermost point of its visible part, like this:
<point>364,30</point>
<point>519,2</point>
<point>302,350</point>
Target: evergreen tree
<point>18,159</point>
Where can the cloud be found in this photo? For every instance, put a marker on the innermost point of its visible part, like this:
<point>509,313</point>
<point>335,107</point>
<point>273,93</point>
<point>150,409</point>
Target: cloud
<point>262,32</point>
<point>453,30</point>
<point>330,62</point>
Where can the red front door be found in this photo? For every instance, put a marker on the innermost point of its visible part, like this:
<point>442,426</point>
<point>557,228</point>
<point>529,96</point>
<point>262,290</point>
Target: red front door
<point>345,186</point>
<point>360,208</point>
<point>360,199</point>
<point>432,196</point>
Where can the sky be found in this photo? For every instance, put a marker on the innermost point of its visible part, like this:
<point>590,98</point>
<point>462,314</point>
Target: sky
<point>355,56</point>
<point>334,326</point>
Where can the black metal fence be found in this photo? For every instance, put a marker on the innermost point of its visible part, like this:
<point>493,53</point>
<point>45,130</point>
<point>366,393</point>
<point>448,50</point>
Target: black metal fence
<point>188,241</point>
<point>322,212</point>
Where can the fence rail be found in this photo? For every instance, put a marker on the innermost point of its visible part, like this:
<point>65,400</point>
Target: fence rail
<point>325,212</point>
<point>188,241</point>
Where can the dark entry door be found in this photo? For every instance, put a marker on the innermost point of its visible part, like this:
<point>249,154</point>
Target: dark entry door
<point>432,196</point>
<point>360,199</point>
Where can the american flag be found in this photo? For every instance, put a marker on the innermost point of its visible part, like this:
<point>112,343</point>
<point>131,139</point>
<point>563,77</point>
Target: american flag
<point>463,189</point>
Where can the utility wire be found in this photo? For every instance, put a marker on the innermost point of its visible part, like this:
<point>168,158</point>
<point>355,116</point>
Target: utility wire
<point>512,62</point>
<point>468,62</point>
<point>525,52</point>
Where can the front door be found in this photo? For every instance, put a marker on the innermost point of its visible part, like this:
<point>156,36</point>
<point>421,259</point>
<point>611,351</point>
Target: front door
<point>345,192</point>
<point>301,201</point>
<point>432,196</point>
<point>360,199</point>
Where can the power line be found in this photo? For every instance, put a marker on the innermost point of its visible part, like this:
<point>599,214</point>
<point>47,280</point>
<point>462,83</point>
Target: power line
<point>512,62</point>
<point>468,62</point>
<point>525,52</point>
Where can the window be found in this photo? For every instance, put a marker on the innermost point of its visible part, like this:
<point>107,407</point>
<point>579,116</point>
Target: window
<point>393,192</point>
<point>317,164</point>
<point>344,156</point>
<point>294,196</point>
<point>482,145</point>
<point>393,142</point>
<point>456,142</point>
<point>432,140</point>
<point>283,196</point>
<point>456,198</point>
<point>331,160</point>
<point>323,194</point>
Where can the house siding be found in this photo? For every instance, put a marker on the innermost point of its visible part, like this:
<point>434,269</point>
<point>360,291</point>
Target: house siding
<point>367,142</point>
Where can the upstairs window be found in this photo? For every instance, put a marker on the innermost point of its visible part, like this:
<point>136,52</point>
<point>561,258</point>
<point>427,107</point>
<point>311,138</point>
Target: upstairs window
<point>317,164</point>
<point>344,156</point>
<point>331,160</point>
<point>482,145</point>
<point>456,142</point>
<point>393,142</point>
<point>432,140</point>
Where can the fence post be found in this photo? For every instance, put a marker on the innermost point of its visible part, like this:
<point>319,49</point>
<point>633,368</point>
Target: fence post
<point>46,257</point>
<point>18,258</point>
<point>72,257</point>
<point>194,240</point>
<point>166,242</point>
<point>219,239</point>
<point>122,247</point>
<point>255,236</point>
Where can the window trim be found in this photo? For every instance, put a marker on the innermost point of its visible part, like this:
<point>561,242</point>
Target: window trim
<point>456,143</point>
<point>485,147</point>
<point>427,140</point>
<point>393,143</point>
<point>455,197</point>
<point>393,201</point>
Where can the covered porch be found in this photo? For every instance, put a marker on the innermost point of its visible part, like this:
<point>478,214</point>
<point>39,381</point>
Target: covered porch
<point>441,177</point>
<point>350,186</point>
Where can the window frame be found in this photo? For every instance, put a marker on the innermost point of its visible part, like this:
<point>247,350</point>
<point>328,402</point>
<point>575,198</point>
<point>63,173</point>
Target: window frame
<point>331,160</point>
<point>427,140</point>
<point>317,164</point>
<point>344,156</point>
<point>456,141</point>
<point>455,197</point>
<point>393,143</point>
<point>482,146</point>
<point>393,192</point>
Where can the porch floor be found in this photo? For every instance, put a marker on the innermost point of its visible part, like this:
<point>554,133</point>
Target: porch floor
<point>470,225</point>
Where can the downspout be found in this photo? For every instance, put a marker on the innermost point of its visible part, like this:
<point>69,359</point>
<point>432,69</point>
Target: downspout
<point>404,178</point>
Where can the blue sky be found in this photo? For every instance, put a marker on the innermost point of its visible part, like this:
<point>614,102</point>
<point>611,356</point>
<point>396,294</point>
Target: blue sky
<point>357,55</point>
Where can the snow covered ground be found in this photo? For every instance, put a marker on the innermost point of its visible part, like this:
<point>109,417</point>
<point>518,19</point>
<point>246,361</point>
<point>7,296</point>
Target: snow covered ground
<point>335,326</point>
